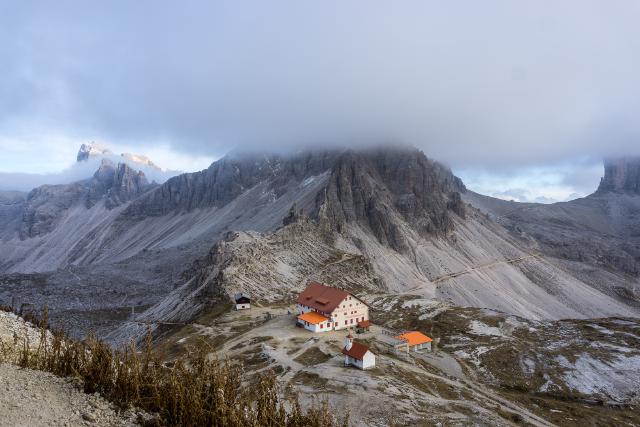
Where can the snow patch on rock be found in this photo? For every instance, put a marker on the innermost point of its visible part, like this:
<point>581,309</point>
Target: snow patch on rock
<point>591,376</point>
<point>479,328</point>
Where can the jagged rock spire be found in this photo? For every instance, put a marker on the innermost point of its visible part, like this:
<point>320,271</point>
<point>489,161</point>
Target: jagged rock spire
<point>621,175</point>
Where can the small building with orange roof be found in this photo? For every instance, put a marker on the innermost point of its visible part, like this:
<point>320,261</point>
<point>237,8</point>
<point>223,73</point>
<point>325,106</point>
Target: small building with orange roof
<point>314,321</point>
<point>415,340</point>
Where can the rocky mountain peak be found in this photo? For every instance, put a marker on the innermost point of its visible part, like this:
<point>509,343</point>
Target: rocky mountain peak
<point>621,175</point>
<point>91,149</point>
<point>388,188</point>
<point>115,184</point>
<point>140,159</point>
<point>384,190</point>
<point>105,171</point>
<point>126,183</point>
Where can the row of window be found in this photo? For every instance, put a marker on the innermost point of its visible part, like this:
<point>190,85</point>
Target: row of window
<point>351,312</point>
<point>346,322</point>
<point>350,305</point>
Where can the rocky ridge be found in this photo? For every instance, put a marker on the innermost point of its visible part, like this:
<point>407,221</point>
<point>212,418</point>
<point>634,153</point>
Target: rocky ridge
<point>621,175</point>
<point>368,188</point>
<point>406,215</point>
<point>114,184</point>
<point>601,230</point>
<point>271,267</point>
<point>226,179</point>
<point>363,187</point>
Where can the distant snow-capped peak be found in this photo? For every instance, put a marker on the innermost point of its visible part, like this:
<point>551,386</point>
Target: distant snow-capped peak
<point>90,150</point>
<point>96,150</point>
<point>141,159</point>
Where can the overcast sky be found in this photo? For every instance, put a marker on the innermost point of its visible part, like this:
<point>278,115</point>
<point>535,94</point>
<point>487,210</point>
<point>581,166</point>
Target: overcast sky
<point>521,99</point>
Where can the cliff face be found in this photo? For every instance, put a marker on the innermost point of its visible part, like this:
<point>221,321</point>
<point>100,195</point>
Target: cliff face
<point>45,205</point>
<point>621,175</point>
<point>125,185</point>
<point>602,229</point>
<point>226,179</point>
<point>379,188</point>
<point>11,207</point>
<point>374,188</point>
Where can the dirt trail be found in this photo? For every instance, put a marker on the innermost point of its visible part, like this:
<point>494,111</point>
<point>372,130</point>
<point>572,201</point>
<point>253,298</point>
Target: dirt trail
<point>485,392</point>
<point>469,270</point>
<point>478,387</point>
<point>290,342</point>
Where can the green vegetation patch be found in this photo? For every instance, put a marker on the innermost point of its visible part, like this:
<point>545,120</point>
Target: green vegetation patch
<point>251,342</point>
<point>312,356</point>
<point>310,379</point>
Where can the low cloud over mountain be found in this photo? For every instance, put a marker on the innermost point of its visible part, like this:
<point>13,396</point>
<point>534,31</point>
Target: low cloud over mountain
<point>493,84</point>
<point>88,159</point>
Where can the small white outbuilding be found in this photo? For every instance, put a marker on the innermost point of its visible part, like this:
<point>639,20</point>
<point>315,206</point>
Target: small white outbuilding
<point>358,355</point>
<point>242,301</point>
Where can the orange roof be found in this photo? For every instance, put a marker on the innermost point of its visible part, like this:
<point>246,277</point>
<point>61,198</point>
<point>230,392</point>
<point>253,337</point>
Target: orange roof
<point>414,338</point>
<point>312,317</point>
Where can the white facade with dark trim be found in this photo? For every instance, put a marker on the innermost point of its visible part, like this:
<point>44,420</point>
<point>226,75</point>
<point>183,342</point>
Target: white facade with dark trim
<point>341,309</point>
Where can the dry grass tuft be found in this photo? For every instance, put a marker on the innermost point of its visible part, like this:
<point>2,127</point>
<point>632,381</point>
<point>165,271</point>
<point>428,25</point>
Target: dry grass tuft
<point>194,391</point>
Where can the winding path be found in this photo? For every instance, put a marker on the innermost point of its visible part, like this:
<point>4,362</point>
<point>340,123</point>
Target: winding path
<point>469,270</point>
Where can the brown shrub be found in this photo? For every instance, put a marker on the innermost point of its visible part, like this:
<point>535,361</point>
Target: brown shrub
<point>194,391</point>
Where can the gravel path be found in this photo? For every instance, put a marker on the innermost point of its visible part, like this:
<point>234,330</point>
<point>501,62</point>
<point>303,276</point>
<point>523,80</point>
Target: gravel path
<point>35,398</point>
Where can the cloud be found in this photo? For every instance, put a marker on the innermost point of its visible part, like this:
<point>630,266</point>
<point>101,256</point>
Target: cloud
<point>496,84</point>
<point>546,184</point>
<point>78,171</point>
<point>27,181</point>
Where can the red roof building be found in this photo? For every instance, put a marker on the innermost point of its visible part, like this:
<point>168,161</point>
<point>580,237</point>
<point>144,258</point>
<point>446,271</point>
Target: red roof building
<point>340,308</point>
<point>357,351</point>
<point>357,354</point>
